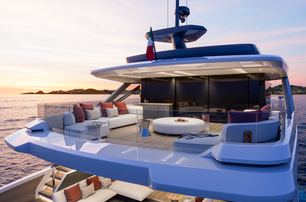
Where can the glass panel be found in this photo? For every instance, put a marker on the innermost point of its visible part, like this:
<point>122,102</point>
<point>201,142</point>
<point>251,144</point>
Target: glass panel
<point>191,94</point>
<point>158,90</point>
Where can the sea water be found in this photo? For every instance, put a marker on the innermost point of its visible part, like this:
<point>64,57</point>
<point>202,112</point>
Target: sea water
<point>17,110</point>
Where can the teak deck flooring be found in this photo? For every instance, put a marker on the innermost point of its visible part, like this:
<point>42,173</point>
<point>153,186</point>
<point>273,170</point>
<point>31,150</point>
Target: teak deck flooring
<point>128,135</point>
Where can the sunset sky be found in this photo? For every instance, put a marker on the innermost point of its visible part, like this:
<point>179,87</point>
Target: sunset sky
<point>54,44</point>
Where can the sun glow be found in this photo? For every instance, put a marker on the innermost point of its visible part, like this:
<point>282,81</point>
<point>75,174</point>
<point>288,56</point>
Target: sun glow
<point>52,45</point>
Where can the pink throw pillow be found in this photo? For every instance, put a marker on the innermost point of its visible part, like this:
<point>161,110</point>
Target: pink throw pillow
<point>78,113</point>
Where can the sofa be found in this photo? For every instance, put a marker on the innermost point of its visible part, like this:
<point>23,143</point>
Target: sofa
<point>83,130</point>
<point>262,131</point>
<point>133,191</point>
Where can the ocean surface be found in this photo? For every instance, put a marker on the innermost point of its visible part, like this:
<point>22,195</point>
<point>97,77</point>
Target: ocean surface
<point>17,110</point>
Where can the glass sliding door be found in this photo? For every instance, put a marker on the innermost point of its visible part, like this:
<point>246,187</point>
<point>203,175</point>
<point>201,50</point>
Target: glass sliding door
<point>191,94</point>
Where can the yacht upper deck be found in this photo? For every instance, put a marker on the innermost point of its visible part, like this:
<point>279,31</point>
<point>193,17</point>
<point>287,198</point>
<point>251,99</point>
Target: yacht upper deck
<point>273,67</point>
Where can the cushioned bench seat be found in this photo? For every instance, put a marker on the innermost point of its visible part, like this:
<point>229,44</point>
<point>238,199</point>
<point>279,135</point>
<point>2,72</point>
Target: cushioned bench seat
<point>134,191</point>
<point>101,195</point>
<point>121,120</point>
<point>262,131</point>
<point>195,143</point>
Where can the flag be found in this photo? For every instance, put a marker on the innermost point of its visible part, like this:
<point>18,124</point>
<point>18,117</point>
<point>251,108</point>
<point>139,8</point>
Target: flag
<point>151,53</point>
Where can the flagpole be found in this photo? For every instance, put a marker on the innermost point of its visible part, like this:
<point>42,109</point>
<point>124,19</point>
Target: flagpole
<point>155,55</point>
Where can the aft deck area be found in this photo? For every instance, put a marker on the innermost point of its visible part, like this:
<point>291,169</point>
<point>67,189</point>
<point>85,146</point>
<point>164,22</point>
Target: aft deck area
<point>128,135</point>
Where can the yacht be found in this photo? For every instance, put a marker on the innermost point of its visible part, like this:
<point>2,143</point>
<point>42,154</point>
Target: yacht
<point>203,127</point>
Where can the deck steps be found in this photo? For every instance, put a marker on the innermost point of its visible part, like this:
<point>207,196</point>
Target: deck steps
<point>50,182</point>
<point>62,168</point>
<point>59,174</point>
<point>47,191</point>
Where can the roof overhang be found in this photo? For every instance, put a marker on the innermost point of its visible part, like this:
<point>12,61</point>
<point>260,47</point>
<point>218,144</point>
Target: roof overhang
<point>273,67</point>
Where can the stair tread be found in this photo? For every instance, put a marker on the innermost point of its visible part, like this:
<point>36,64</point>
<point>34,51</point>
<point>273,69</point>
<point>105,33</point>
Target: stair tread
<point>47,192</point>
<point>62,168</point>
<point>42,198</point>
<point>50,182</point>
<point>59,174</point>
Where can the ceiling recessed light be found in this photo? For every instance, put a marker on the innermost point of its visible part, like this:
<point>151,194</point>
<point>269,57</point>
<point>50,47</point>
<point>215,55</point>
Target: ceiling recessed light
<point>183,73</point>
<point>168,74</point>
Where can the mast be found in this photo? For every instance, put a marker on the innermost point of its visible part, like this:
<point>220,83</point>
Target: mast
<point>177,15</point>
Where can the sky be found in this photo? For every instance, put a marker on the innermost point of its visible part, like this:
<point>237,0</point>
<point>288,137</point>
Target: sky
<point>54,44</point>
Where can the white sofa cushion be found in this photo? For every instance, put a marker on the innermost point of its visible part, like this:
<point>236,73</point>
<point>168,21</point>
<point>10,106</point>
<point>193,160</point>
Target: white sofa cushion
<point>106,182</point>
<point>122,120</point>
<point>112,112</point>
<point>87,191</point>
<point>138,110</point>
<point>83,183</point>
<point>59,196</point>
<point>81,130</point>
<point>134,191</point>
<point>101,195</point>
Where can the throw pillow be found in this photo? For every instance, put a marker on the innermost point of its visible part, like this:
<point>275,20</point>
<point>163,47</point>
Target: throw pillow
<point>78,113</point>
<point>104,106</point>
<point>112,112</point>
<point>96,182</point>
<point>69,119</point>
<point>122,108</point>
<point>266,108</point>
<point>73,193</point>
<point>88,191</point>
<point>98,108</point>
<point>86,105</point>
<point>106,182</point>
<point>92,114</point>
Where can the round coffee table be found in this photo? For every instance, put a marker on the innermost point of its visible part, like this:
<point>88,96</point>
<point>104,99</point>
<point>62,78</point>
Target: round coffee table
<point>178,125</point>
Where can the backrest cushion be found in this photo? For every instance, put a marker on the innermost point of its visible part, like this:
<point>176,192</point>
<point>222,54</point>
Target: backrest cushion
<point>73,193</point>
<point>106,182</point>
<point>68,119</point>
<point>99,111</point>
<point>88,191</point>
<point>78,113</point>
<point>95,180</point>
<point>112,112</point>
<point>122,108</point>
<point>105,105</point>
<point>241,117</point>
<point>86,105</point>
<point>59,196</point>
<point>83,183</point>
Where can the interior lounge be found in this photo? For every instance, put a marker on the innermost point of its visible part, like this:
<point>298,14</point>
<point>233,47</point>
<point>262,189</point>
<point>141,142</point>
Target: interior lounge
<point>215,95</point>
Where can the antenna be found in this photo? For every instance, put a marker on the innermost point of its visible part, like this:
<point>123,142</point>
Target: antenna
<point>181,13</point>
<point>177,13</point>
<point>187,7</point>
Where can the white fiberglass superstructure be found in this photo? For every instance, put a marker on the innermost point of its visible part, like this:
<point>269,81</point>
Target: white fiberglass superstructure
<point>246,160</point>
